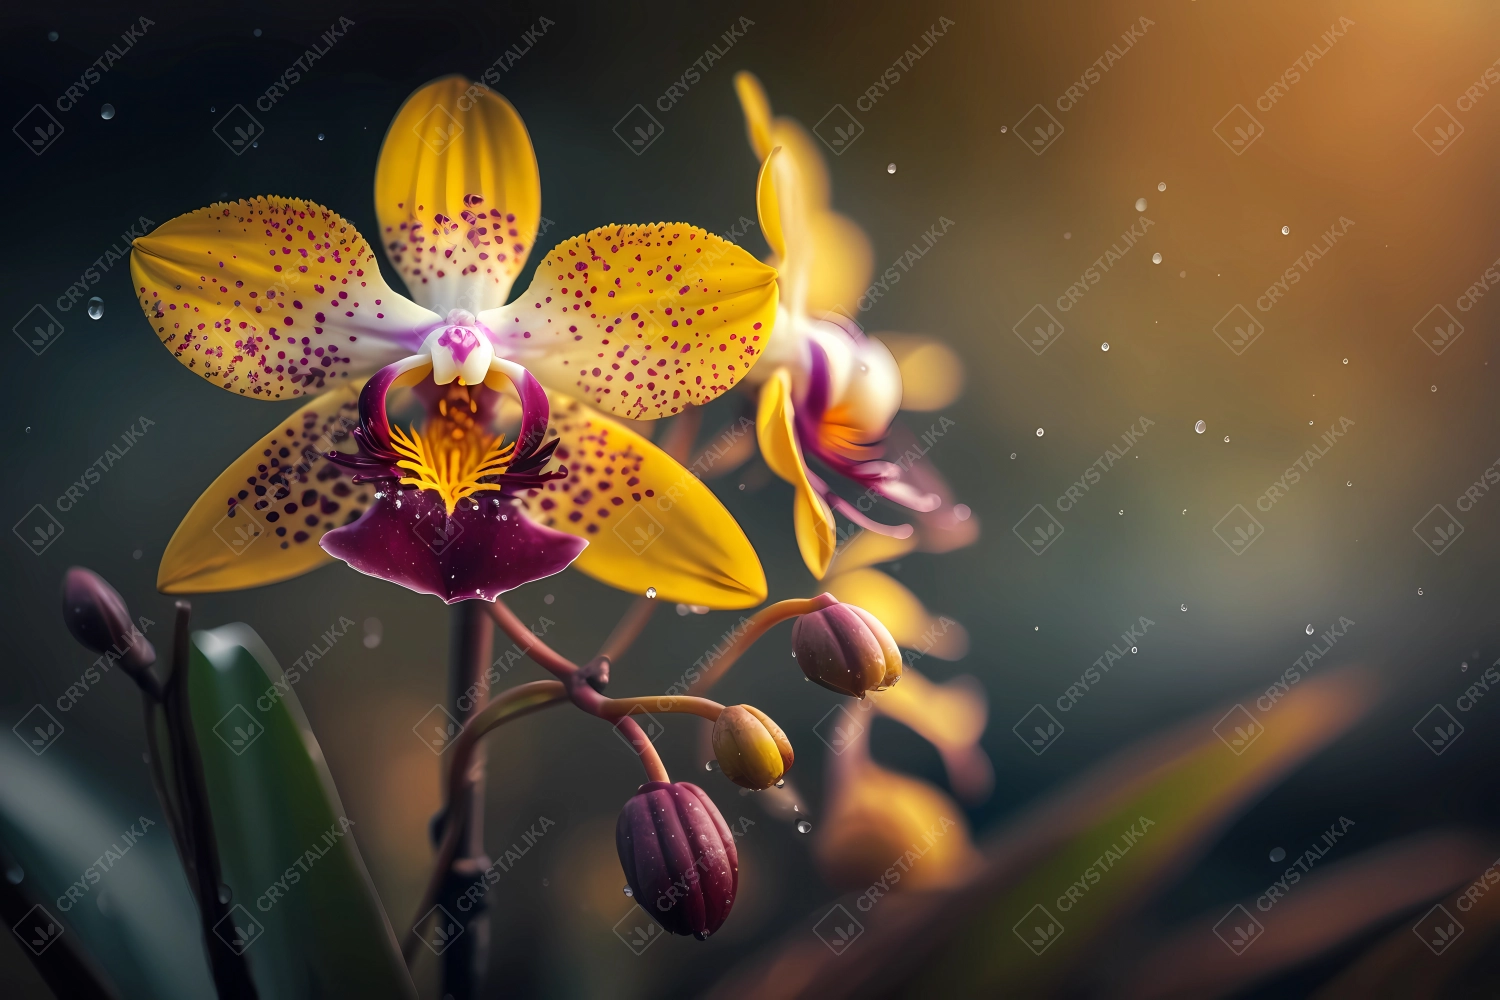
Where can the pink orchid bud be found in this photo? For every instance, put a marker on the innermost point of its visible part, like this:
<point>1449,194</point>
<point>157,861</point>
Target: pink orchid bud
<point>846,649</point>
<point>96,615</point>
<point>679,857</point>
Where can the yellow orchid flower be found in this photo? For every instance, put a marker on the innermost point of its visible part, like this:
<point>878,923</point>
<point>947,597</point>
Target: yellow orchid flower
<point>826,389</point>
<point>277,298</point>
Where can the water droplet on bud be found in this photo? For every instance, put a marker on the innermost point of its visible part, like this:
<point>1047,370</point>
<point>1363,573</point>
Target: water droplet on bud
<point>629,891</point>
<point>651,593</point>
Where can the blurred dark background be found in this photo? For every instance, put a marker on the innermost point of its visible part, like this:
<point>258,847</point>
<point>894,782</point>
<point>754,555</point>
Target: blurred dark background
<point>1337,144</point>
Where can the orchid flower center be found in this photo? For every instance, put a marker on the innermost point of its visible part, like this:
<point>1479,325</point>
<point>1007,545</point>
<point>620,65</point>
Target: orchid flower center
<point>460,349</point>
<point>452,453</point>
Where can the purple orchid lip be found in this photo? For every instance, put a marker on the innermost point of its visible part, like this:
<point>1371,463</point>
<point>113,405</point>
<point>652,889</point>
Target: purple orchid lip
<point>885,478</point>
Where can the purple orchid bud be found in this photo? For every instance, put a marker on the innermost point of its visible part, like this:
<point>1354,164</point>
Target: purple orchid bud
<point>846,649</point>
<point>97,617</point>
<point>679,857</point>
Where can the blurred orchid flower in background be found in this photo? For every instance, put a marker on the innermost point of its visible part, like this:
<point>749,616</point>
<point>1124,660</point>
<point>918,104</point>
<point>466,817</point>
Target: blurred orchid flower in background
<point>827,390</point>
<point>275,298</point>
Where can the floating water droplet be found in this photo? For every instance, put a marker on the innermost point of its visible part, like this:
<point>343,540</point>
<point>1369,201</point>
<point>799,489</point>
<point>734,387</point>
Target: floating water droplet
<point>1161,185</point>
<point>320,136</point>
<point>1122,511</point>
<point>1200,426</point>
<point>1036,628</point>
<point>1286,230</point>
<point>1349,482</point>
<point>1067,236</point>
<point>225,894</point>
<point>256,32</point>
<point>107,112</point>
<point>1012,454</point>
<point>1434,388</point>
<point>1039,432</point>
<point>1184,607</point>
<point>1140,204</point>
<point>651,593</point>
<point>1132,649</point>
<point>1463,666</point>
<point>890,168</point>
<point>1104,346</point>
<point>961,511</point>
<point>1309,630</point>
<point>780,782</point>
<point>1184,510</point>
<point>1182,274</point>
<point>28,431</point>
<point>1156,258</point>
<point>712,765</point>
<point>51,36</point>
<point>212,110</point>
<point>1346,361</point>
<point>548,599</point>
<point>14,874</point>
<point>96,307</point>
<point>1419,591</point>
<point>1226,438</point>
<point>742,485</point>
<point>628,891</point>
<point>803,826</point>
<point>1002,127</point>
<point>1278,854</point>
<point>136,554</point>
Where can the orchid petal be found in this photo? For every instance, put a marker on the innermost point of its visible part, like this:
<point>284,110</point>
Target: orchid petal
<point>641,320</point>
<point>932,374</point>
<point>271,297</point>
<point>458,195</point>
<point>775,427</point>
<point>951,717</point>
<point>909,622</point>
<point>251,527</point>
<point>625,495</point>
<point>869,548</point>
<point>768,206</point>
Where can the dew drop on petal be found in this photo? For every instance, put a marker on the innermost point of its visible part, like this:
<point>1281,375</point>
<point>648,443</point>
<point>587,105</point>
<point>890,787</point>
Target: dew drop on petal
<point>1226,438</point>
<point>1200,426</point>
<point>1002,127</point>
<point>1161,185</point>
<point>1140,204</point>
<point>96,307</point>
<point>1039,432</point>
<point>890,168</point>
<point>628,891</point>
<point>651,593</point>
<point>1286,230</point>
<point>1434,388</point>
<point>803,826</point>
<point>780,782</point>
<point>1156,258</point>
<point>107,112</point>
<point>712,765</point>
<point>1104,346</point>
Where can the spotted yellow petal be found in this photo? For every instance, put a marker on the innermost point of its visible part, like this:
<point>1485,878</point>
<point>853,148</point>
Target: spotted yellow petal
<point>811,517</point>
<point>641,320</point>
<point>458,195</point>
<point>261,520</point>
<point>932,375</point>
<point>911,624</point>
<point>869,548</point>
<point>272,297</point>
<point>648,521</point>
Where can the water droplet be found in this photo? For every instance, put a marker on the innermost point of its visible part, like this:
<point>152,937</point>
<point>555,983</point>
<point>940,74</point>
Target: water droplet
<point>961,511</point>
<point>1309,630</point>
<point>96,307</point>
<point>51,36</point>
<point>255,144</point>
<point>1104,346</point>
<point>1039,432</point>
<point>1463,666</point>
<point>212,110</point>
<point>320,136</point>
<point>1184,510</point>
<point>1122,511</point>
<point>136,554</point>
<point>628,891</point>
<point>1184,607</point>
<point>545,883</point>
<point>28,431</point>
<point>107,112</point>
<point>1286,230</point>
<point>1012,454</point>
<point>1346,361</point>
<point>1161,185</point>
<point>1309,423</point>
<point>1036,628</point>
<point>780,782</point>
<point>14,874</point>
<point>256,32</point>
<point>225,894</point>
<point>712,765</point>
<point>1182,274</point>
<point>1434,388</point>
<point>1419,591</point>
<point>890,168</point>
<point>1140,204</point>
<point>1349,482</point>
<point>1067,236</point>
<point>803,826</point>
<point>651,593</point>
<point>742,485</point>
<point>1200,426</point>
<point>1278,854</point>
<point>701,935</point>
<point>548,599</point>
<point>1002,127</point>
<point>1132,649</point>
<point>1226,438</point>
<point>1156,258</point>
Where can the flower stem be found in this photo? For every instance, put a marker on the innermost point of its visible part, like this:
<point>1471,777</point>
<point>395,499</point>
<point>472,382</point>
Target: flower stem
<point>618,708</point>
<point>561,667</point>
<point>759,624</point>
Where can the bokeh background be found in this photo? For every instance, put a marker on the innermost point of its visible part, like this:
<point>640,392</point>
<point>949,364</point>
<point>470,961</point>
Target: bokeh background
<point>1343,344</point>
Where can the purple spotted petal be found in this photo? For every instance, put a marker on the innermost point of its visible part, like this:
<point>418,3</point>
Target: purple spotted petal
<point>484,549</point>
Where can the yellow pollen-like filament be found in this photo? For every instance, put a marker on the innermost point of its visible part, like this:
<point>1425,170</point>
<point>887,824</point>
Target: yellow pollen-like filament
<point>452,467</point>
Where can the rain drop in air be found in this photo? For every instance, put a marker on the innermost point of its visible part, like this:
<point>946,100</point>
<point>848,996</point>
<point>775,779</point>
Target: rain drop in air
<point>96,307</point>
<point>107,112</point>
<point>1156,258</point>
<point>803,826</point>
<point>1200,426</point>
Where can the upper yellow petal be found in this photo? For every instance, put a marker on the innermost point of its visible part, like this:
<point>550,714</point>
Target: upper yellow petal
<point>869,548</point>
<point>458,195</point>
<point>774,427</point>
<point>641,320</point>
<point>260,521</point>
<point>648,521</point>
<point>768,207</point>
<point>911,624</point>
<point>271,297</point>
<point>757,108</point>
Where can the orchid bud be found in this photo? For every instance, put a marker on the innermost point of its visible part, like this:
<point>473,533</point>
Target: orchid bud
<point>96,615</point>
<point>846,649</point>
<point>679,857</point>
<point>751,749</point>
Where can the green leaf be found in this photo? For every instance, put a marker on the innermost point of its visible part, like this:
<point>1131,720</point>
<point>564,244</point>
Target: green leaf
<point>138,921</point>
<point>286,846</point>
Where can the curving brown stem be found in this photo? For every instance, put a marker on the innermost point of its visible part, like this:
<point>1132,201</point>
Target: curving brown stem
<point>758,625</point>
<point>560,666</point>
<point>618,708</point>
